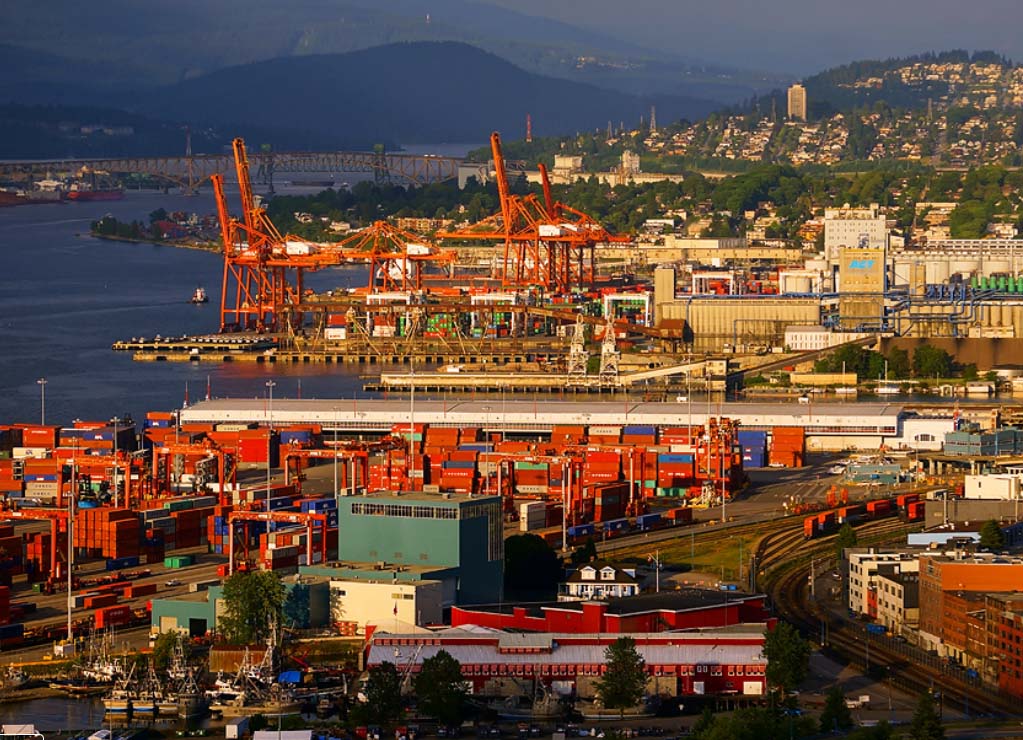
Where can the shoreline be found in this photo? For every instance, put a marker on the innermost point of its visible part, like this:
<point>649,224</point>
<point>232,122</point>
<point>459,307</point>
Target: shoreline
<point>207,247</point>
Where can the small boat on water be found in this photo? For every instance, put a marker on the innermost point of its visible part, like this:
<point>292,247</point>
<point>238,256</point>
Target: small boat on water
<point>199,296</point>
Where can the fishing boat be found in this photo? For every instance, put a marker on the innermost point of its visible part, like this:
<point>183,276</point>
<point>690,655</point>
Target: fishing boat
<point>14,678</point>
<point>199,296</point>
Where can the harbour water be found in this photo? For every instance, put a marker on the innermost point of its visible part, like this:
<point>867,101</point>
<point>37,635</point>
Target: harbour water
<point>66,296</point>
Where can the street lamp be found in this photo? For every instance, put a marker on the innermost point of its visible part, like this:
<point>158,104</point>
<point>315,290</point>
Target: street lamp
<point>486,440</point>
<point>42,400</point>
<point>116,420</point>
<point>336,492</point>
<point>269,441</point>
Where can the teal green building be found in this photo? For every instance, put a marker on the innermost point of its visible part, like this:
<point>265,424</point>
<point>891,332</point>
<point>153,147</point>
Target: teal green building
<point>429,530</point>
<point>195,614</point>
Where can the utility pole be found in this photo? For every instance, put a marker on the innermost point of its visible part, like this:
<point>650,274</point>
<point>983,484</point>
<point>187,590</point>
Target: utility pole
<point>42,400</point>
<point>269,442</point>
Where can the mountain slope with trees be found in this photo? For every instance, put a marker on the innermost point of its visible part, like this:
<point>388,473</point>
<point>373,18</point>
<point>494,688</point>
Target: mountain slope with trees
<point>412,93</point>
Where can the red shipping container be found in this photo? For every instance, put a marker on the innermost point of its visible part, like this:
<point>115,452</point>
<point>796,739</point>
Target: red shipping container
<point>113,616</point>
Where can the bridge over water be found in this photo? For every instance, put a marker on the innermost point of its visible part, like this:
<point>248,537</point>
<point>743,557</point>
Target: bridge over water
<point>189,172</point>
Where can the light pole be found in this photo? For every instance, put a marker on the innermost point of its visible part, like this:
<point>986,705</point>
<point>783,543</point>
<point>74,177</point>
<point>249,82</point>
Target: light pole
<point>116,420</point>
<point>269,441</point>
<point>336,492</point>
<point>42,400</point>
<point>486,440</point>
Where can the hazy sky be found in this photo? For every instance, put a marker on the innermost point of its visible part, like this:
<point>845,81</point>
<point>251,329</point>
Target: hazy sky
<point>796,36</point>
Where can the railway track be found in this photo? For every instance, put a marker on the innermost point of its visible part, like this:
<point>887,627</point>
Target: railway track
<point>784,561</point>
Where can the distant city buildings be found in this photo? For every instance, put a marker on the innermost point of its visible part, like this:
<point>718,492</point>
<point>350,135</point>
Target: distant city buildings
<point>797,103</point>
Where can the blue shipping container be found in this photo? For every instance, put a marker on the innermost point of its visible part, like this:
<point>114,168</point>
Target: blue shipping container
<point>666,457</point>
<point>640,429</point>
<point>459,464</point>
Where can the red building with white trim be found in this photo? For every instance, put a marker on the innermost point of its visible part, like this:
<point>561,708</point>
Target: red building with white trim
<point>722,662</point>
<point>671,610</point>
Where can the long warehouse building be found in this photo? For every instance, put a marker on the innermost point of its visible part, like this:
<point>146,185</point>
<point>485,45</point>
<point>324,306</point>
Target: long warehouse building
<point>829,426</point>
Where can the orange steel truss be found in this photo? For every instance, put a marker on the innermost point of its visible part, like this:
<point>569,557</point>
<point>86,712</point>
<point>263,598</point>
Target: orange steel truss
<point>263,269</point>
<point>546,243</point>
<point>397,258</point>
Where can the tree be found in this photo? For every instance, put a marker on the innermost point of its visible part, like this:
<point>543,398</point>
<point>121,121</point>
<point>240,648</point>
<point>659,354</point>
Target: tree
<point>788,657</point>
<point>531,567</point>
<point>252,603</point>
<point>383,695</point>
<point>931,362</point>
<point>440,689</point>
<point>846,538</point>
<point>585,553</point>
<point>836,715</point>
<point>898,363</point>
<point>991,537</point>
<point>296,607</point>
<point>163,650</point>
<point>624,681</point>
<point>926,724</point>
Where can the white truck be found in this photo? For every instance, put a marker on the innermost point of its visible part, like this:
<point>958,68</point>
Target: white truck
<point>860,702</point>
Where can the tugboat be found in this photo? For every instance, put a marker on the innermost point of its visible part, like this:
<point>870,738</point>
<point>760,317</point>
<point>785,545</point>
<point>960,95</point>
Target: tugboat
<point>199,296</point>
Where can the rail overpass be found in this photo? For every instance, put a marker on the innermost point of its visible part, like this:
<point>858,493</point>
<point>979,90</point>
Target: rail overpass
<point>189,172</point>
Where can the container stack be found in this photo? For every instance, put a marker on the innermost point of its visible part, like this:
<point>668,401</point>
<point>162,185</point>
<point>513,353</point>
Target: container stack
<point>107,532</point>
<point>674,473</point>
<point>788,446</point>
<point>754,448</point>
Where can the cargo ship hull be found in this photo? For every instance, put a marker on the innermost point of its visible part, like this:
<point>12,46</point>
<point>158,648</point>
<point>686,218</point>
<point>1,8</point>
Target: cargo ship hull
<point>91,195</point>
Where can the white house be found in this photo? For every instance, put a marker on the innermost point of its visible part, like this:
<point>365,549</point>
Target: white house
<point>600,580</point>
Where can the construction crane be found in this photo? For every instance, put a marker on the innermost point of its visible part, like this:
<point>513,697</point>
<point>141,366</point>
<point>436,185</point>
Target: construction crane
<point>263,269</point>
<point>546,243</point>
<point>398,259</point>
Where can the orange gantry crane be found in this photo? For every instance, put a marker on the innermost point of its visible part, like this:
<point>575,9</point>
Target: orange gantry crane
<point>306,519</point>
<point>263,269</point>
<point>546,243</point>
<point>58,519</point>
<point>221,472</point>
<point>398,259</point>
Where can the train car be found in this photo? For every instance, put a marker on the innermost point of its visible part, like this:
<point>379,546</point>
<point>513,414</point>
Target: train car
<point>616,527</point>
<point>680,515</point>
<point>850,514</point>
<point>914,512</point>
<point>880,508</point>
<point>580,532</point>
<point>810,527</point>
<point>903,500</point>
<point>821,524</point>
<point>646,522</point>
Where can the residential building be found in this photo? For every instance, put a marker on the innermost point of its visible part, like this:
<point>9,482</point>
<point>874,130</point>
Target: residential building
<point>429,530</point>
<point>863,571</point>
<point>721,662</point>
<point>670,610</point>
<point>1003,663</point>
<point>975,572</point>
<point>962,627</point>
<point>599,580</point>
<point>797,102</point>
<point>898,599</point>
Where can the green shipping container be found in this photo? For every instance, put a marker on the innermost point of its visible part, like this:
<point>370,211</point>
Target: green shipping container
<point>178,561</point>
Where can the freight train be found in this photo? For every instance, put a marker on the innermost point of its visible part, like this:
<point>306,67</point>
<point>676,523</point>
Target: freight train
<point>579,533</point>
<point>908,506</point>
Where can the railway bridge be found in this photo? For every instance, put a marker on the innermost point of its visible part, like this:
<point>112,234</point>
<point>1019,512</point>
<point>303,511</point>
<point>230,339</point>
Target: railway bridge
<point>190,171</point>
